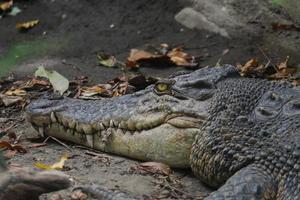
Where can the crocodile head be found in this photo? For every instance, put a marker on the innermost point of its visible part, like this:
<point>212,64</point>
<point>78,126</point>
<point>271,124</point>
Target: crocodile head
<point>158,123</point>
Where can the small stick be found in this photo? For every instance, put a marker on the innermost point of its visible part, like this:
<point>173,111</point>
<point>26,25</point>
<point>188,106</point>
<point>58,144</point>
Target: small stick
<point>58,141</point>
<point>266,57</point>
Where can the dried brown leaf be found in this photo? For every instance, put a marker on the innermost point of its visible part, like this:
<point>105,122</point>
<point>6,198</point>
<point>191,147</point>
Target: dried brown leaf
<point>10,100</point>
<point>27,25</point>
<point>154,168</point>
<point>283,71</point>
<point>6,5</point>
<point>286,27</point>
<point>101,89</point>
<point>14,147</point>
<point>249,67</point>
<point>16,92</point>
<point>136,56</point>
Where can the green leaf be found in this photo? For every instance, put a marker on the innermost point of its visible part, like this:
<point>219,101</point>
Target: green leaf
<point>59,82</point>
<point>14,11</point>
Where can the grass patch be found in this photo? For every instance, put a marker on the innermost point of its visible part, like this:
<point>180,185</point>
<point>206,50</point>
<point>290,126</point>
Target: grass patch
<point>24,51</point>
<point>277,2</point>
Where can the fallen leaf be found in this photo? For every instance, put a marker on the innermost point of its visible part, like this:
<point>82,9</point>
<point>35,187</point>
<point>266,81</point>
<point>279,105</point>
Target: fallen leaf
<point>120,89</point>
<point>249,67</point>
<point>162,57</point>
<point>14,11</point>
<point>283,71</point>
<point>59,83</point>
<point>16,92</point>
<point>107,60</point>
<point>181,58</point>
<point>136,56</point>
<point>27,25</point>
<point>286,27</point>
<point>6,5</point>
<point>10,100</point>
<point>56,166</point>
<point>101,89</point>
<point>35,82</point>
<point>14,147</point>
<point>154,168</point>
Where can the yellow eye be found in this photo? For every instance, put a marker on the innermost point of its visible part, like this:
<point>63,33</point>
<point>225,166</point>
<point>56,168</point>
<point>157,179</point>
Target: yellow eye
<point>161,87</point>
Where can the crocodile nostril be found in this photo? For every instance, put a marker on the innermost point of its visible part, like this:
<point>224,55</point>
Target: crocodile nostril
<point>274,96</point>
<point>265,111</point>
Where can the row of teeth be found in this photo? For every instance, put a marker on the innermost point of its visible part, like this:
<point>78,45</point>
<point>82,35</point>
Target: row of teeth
<point>88,129</point>
<point>103,130</point>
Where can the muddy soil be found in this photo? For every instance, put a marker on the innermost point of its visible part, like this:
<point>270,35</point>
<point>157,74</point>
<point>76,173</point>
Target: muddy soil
<point>67,39</point>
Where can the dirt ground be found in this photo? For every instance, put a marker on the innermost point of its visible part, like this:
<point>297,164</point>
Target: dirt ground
<point>67,39</point>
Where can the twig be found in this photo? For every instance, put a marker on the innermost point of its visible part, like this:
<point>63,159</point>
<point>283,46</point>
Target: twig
<point>268,59</point>
<point>63,144</point>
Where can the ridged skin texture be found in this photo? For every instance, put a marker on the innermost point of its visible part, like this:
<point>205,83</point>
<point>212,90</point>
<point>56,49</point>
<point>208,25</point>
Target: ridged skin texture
<point>249,144</point>
<point>252,138</point>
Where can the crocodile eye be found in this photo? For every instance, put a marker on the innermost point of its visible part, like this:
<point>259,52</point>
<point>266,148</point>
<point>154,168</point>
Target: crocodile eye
<point>162,87</point>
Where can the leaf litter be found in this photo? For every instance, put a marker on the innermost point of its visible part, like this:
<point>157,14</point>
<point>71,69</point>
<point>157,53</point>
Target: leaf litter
<point>281,71</point>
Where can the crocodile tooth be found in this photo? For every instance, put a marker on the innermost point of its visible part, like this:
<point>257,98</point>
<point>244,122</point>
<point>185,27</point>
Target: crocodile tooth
<point>59,119</point>
<point>71,124</point>
<point>102,127</point>
<point>106,123</point>
<point>122,125</point>
<point>78,127</point>
<point>111,123</point>
<point>41,131</point>
<point>106,134</point>
<point>87,129</point>
<point>116,123</point>
<point>90,140</point>
<point>53,118</point>
<point>131,125</point>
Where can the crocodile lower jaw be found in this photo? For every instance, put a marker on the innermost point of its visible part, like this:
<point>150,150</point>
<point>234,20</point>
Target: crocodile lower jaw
<point>169,142</point>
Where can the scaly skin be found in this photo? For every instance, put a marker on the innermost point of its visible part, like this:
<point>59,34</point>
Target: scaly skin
<point>243,133</point>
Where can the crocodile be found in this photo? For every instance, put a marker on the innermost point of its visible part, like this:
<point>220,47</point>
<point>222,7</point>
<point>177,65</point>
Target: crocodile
<point>239,135</point>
